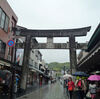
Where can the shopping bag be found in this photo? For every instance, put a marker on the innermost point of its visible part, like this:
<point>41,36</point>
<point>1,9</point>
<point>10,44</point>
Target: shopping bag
<point>88,95</point>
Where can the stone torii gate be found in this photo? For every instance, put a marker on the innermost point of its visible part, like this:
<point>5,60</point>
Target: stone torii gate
<point>72,45</point>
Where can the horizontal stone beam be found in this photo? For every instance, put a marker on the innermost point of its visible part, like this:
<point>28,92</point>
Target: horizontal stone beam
<point>53,46</point>
<point>53,33</point>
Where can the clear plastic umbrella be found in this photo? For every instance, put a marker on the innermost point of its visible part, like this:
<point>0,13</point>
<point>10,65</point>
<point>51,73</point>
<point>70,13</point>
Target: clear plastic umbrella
<point>66,76</point>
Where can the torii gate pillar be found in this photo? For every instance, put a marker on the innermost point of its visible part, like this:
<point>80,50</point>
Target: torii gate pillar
<point>72,49</point>
<point>25,67</point>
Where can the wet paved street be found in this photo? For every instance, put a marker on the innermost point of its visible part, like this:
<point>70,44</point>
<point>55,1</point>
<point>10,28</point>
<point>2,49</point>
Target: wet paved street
<point>52,91</point>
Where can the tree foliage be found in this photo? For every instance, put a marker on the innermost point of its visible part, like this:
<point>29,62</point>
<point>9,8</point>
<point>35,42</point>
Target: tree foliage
<point>58,66</point>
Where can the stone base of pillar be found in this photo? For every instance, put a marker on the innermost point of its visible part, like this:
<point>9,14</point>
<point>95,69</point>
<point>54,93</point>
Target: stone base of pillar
<point>23,82</point>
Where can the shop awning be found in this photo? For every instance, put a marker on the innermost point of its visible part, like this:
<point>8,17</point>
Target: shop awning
<point>4,62</point>
<point>33,68</point>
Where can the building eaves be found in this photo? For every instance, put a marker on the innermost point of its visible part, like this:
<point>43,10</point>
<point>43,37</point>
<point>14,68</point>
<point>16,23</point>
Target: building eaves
<point>94,39</point>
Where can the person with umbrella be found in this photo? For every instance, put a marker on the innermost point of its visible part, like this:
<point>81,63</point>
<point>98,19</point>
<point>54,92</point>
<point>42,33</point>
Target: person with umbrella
<point>92,89</point>
<point>80,84</point>
<point>80,88</point>
<point>92,86</point>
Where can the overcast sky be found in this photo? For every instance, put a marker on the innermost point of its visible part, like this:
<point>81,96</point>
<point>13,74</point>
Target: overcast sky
<point>57,14</point>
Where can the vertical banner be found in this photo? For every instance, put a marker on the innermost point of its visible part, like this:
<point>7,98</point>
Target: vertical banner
<point>19,56</point>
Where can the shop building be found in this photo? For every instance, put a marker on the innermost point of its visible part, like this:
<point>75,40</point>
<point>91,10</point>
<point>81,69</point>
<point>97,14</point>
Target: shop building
<point>8,19</point>
<point>34,61</point>
<point>91,61</point>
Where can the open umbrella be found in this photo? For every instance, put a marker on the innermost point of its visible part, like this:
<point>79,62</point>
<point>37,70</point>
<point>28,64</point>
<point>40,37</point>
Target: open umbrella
<point>66,76</point>
<point>80,74</point>
<point>3,73</point>
<point>94,78</point>
<point>7,71</point>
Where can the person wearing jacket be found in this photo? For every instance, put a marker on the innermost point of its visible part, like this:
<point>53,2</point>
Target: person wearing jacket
<point>93,90</point>
<point>71,87</point>
<point>80,88</point>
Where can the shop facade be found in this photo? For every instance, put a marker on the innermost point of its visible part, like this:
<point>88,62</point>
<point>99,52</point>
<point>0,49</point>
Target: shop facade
<point>90,60</point>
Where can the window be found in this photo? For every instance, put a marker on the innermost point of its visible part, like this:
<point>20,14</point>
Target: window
<point>6,24</point>
<point>2,20</point>
<point>2,47</point>
<point>35,64</point>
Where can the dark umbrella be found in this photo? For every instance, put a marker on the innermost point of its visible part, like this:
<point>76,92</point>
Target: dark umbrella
<point>3,73</point>
<point>80,74</point>
<point>7,71</point>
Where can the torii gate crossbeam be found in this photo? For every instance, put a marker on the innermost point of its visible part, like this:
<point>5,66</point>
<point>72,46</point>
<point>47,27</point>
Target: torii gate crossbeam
<point>82,46</point>
<point>54,33</point>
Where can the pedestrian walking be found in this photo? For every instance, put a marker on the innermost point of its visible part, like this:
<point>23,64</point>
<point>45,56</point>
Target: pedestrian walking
<point>64,83</point>
<point>80,88</point>
<point>6,87</point>
<point>92,88</point>
<point>71,87</point>
<point>16,83</point>
<point>66,86</point>
<point>98,89</point>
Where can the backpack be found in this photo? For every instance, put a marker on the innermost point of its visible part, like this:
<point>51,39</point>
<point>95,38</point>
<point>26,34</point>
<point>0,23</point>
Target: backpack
<point>79,84</point>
